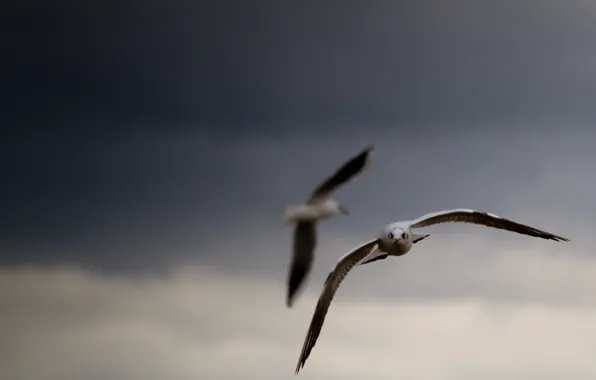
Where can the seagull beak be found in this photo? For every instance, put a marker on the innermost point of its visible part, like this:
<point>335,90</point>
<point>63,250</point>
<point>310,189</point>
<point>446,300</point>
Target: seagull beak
<point>344,210</point>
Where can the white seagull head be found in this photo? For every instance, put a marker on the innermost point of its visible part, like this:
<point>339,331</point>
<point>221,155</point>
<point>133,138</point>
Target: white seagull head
<point>395,238</point>
<point>397,235</point>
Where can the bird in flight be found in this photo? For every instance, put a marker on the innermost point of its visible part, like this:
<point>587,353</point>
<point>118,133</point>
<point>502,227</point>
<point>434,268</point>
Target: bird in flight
<point>396,239</point>
<point>319,206</point>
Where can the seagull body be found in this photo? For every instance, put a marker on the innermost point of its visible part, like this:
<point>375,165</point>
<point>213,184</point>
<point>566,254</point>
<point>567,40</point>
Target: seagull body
<point>320,206</point>
<point>396,239</point>
<point>318,209</point>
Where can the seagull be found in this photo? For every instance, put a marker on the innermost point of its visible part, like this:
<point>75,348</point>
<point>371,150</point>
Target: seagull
<point>319,206</point>
<point>396,239</point>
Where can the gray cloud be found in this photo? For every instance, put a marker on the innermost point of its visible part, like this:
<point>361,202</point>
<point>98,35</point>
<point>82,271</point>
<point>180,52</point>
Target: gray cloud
<point>117,157</point>
<point>199,323</point>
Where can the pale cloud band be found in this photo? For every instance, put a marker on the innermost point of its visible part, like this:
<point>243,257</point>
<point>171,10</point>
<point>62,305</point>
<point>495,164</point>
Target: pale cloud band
<point>199,323</point>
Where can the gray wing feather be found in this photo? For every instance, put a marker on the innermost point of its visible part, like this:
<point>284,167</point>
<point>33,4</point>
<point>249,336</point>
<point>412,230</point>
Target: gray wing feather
<point>305,240</point>
<point>482,218</point>
<point>349,170</point>
<point>334,279</point>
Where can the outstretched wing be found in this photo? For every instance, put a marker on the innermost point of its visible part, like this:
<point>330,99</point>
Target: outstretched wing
<point>305,240</point>
<point>349,170</point>
<point>334,279</point>
<point>482,218</point>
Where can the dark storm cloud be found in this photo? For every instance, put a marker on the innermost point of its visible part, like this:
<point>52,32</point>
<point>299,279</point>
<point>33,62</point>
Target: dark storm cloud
<point>230,63</point>
<point>99,99</point>
<point>155,202</point>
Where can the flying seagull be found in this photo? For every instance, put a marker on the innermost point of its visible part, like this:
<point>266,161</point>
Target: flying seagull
<point>319,206</point>
<point>396,239</point>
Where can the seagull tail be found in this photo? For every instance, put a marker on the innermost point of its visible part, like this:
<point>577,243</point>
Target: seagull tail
<point>290,216</point>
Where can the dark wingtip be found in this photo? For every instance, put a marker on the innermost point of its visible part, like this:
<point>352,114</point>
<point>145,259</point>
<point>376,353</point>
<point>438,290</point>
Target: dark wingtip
<point>558,238</point>
<point>289,301</point>
<point>299,366</point>
<point>290,297</point>
<point>367,154</point>
<point>297,277</point>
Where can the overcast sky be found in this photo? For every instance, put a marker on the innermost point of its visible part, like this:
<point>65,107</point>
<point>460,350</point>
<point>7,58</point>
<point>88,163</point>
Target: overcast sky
<point>149,150</point>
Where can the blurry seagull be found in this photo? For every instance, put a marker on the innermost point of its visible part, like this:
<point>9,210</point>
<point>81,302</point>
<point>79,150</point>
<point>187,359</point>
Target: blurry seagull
<point>320,206</point>
<point>396,239</point>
